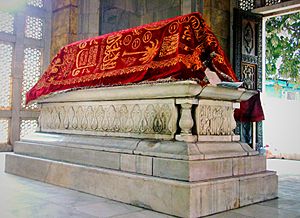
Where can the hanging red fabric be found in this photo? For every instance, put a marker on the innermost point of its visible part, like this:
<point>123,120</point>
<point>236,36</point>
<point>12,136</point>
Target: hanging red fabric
<point>175,48</point>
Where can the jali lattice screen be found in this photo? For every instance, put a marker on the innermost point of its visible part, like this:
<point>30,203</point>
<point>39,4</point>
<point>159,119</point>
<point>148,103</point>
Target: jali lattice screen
<point>6,22</point>
<point>36,3</point>
<point>28,127</point>
<point>5,75</point>
<point>34,27</point>
<point>3,131</point>
<point>31,73</point>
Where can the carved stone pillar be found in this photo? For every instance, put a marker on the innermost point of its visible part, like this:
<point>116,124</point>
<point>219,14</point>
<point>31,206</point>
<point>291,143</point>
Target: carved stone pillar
<point>217,15</point>
<point>186,121</point>
<point>64,24</point>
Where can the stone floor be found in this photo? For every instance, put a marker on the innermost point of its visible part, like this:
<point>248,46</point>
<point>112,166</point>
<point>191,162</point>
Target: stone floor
<point>25,198</point>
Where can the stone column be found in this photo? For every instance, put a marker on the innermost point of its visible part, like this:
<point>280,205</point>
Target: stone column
<point>189,6</point>
<point>64,24</point>
<point>17,77</point>
<point>217,15</point>
<point>186,121</point>
<point>89,14</point>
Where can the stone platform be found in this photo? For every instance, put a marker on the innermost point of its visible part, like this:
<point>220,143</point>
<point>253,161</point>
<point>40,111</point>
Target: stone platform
<point>167,147</point>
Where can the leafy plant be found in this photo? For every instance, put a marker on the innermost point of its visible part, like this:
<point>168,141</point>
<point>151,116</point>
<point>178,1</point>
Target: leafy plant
<point>283,47</point>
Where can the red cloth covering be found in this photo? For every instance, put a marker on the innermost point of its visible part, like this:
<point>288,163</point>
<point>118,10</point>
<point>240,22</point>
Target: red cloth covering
<point>250,110</point>
<point>175,48</point>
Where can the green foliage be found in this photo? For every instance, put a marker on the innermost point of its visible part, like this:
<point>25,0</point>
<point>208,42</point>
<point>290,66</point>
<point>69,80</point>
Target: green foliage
<point>283,42</point>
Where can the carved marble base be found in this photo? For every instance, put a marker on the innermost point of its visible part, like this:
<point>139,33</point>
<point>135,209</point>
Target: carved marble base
<point>168,147</point>
<point>153,111</point>
<point>167,159</point>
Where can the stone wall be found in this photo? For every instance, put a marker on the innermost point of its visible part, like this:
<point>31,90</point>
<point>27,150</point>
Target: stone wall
<point>88,19</point>
<point>78,19</point>
<point>64,24</point>
<point>120,14</point>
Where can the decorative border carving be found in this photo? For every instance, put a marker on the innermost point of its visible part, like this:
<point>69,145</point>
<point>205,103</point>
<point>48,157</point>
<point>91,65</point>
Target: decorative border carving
<point>248,38</point>
<point>239,15</point>
<point>249,59</point>
<point>140,118</point>
<point>249,75</point>
<point>215,118</point>
<point>259,55</point>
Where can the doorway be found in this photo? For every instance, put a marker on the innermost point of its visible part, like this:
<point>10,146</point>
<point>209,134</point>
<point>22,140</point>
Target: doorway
<point>281,82</point>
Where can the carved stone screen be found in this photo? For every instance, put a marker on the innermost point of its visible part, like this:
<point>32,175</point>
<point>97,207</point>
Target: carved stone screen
<point>36,3</point>
<point>25,36</point>
<point>272,2</point>
<point>3,131</point>
<point>6,22</point>
<point>28,127</point>
<point>248,38</point>
<point>31,72</point>
<point>248,45</point>
<point>246,4</point>
<point>34,27</point>
<point>247,34</point>
<point>249,75</point>
<point>5,75</point>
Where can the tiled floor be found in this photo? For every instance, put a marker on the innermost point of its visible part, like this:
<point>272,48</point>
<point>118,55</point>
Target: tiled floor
<point>24,198</point>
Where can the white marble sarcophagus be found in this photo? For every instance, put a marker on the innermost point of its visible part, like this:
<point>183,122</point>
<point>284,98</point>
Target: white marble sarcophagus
<point>168,147</point>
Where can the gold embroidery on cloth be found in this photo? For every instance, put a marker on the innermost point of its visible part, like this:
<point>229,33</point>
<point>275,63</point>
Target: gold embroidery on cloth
<point>187,33</point>
<point>169,45</point>
<point>156,26</point>
<point>190,61</point>
<point>147,37</point>
<point>193,60</point>
<point>110,73</point>
<point>137,32</point>
<point>173,27</point>
<point>54,68</point>
<point>195,22</point>
<point>81,59</point>
<point>92,59</point>
<point>148,55</point>
<point>68,61</point>
<point>82,45</point>
<point>127,40</point>
<point>111,53</point>
<point>185,19</point>
<point>151,51</point>
<point>128,61</point>
<point>93,41</point>
<point>136,43</point>
<point>85,58</point>
<point>184,47</point>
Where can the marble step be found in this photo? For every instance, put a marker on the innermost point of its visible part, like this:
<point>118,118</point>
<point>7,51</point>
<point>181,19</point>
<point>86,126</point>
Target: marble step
<point>185,170</point>
<point>179,198</point>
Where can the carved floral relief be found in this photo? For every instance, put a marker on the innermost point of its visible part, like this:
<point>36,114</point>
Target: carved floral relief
<point>213,119</point>
<point>133,118</point>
